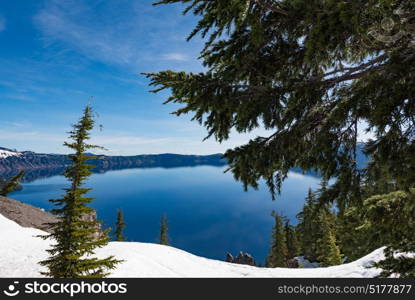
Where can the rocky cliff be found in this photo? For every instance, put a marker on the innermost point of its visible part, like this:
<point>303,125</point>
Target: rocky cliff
<point>25,215</point>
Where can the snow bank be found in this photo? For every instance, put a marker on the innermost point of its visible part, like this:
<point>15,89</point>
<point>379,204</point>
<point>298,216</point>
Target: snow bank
<point>7,153</point>
<point>21,250</point>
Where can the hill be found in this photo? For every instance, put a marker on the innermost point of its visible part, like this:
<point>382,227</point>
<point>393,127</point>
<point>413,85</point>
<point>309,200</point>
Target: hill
<point>12,161</point>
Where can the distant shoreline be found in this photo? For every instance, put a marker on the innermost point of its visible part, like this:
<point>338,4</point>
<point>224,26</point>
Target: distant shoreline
<point>42,165</point>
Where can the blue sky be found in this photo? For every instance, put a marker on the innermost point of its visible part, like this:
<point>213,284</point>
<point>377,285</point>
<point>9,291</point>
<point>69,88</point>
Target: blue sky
<point>56,54</point>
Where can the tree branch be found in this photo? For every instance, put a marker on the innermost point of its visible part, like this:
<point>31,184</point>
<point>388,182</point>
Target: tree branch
<point>358,68</point>
<point>265,5</point>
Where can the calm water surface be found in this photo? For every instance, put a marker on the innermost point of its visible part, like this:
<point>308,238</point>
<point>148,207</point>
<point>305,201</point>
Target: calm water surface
<point>209,213</point>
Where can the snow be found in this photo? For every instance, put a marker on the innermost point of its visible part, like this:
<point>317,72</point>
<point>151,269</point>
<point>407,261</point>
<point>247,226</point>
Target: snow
<point>7,153</point>
<point>21,250</point>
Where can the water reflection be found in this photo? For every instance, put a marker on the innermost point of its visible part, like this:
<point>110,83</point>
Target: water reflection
<point>209,213</point>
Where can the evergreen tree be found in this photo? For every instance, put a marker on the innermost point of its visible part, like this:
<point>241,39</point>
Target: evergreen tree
<point>354,239</point>
<point>313,73</point>
<point>317,229</point>
<point>278,253</point>
<point>293,246</point>
<point>304,70</point>
<point>328,251</point>
<point>76,237</point>
<point>11,185</point>
<point>392,216</point>
<point>164,237</point>
<point>119,226</point>
<point>308,227</point>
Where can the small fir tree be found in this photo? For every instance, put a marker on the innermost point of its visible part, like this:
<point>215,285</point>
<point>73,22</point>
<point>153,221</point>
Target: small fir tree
<point>278,252</point>
<point>164,237</point>
<point>328,251</point>
<point>315,220</point>
<point>119,227</point>
<point>355,240</point>
<point>11,185</point>
<point>307,228</point>
<point>76,237</point>
<point>292,241</point>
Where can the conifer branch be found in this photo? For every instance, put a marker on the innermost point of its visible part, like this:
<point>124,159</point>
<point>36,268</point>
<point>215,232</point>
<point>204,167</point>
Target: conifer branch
<point>268,6</point>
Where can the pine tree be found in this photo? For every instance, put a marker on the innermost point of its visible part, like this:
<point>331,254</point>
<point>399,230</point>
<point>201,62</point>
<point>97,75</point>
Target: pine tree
<point>75,237</point>
<point>328,251</point>
<point>281,65</point>
<point>308,227</point>
<point>392,216</point>
<point>354,238</point>
<point>293,246</point>
<point>317,229</point>
<point>164,238</point>
<point>310,72</point>
<point>278,253</point>
<point>11,185</point>
<point>119,226</point>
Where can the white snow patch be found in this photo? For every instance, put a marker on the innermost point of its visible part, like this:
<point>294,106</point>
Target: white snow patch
<point>21,250</point>
<point>7,153</point>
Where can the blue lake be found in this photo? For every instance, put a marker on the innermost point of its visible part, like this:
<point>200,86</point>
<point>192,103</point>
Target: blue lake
<point>209,213</point>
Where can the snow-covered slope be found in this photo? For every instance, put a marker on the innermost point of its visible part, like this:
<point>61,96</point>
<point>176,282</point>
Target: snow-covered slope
<point>7,153</point>
<point>20,250</point>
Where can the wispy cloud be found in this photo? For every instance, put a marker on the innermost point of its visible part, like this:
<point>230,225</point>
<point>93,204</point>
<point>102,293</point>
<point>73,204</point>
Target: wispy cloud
<point>15,124</point>
<point>19,97</point>
<point>2,23</point>
<point>129,41</point>
<point>97,48</point>
<point>26,137</point>
<point>175,56</point>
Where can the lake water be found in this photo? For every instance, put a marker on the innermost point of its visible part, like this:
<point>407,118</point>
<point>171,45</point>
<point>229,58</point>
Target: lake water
<point>209,214</point>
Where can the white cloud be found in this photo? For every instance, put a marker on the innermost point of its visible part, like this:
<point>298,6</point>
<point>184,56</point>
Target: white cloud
<point>130,35</point>
<point>2,23</point>
<point>28,138</point>
<point>58,24</point>
<point>20,97</point>
<point>175,56</point>
<point>127,144</point>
